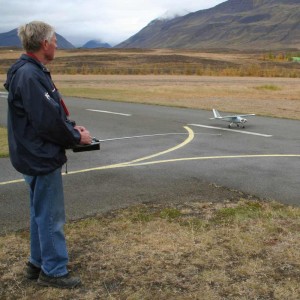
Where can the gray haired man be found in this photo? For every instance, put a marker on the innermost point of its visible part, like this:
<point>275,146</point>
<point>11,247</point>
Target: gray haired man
<point>39,131</point>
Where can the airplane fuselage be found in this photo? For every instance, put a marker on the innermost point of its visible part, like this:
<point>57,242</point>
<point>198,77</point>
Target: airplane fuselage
<point>234,120</point>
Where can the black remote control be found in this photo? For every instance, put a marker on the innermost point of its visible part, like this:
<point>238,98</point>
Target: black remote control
<point>95,145</point>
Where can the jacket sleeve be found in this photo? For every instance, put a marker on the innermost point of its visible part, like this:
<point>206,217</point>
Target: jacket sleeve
<point>45,113</point>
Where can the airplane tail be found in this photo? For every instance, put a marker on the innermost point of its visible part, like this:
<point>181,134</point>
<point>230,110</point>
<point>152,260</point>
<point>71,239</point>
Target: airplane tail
<point>216,114</point>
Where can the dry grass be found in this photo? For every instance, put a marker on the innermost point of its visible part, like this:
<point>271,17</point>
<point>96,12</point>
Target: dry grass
<point>240,82</point>
<point>3,142</point>
<point>232,250</point>
<point>277,97</point>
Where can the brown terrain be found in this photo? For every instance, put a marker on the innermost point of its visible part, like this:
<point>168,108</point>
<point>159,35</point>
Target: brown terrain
<point>258,82</point>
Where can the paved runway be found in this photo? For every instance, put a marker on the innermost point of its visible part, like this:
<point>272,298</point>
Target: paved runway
<point>154,153</point>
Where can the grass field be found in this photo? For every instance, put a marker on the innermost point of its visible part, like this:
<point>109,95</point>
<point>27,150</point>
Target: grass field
<point>241,248</point>
<point>244,249</point>
<point>276,97</point>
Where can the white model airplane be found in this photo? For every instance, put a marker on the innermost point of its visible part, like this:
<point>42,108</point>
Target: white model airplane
<point>236,119</point>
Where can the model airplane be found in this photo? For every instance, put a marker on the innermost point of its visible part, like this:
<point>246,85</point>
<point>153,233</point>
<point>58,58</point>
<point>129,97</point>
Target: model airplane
<point>236,119</point>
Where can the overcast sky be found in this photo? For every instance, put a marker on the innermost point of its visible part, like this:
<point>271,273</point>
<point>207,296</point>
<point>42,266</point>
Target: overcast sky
<point>111,21</point>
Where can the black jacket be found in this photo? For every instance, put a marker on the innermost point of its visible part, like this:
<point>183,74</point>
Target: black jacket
<point>38,128</point>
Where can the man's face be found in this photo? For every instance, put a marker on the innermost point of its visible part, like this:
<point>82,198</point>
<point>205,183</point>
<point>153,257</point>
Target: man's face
<point>49,49</point>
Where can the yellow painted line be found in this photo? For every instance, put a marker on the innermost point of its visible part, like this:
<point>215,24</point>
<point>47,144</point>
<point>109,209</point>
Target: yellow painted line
<point>11,181</point>
<point>215,157</point>
<point>125,165</point>
<point>139,161</point>
<point>190,137</point>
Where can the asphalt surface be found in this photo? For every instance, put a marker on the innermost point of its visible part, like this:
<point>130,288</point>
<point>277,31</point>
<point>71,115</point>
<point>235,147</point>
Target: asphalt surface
<point>152,153</point>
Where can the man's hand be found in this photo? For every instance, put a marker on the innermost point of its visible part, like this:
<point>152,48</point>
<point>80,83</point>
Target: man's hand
<point>85,137</point>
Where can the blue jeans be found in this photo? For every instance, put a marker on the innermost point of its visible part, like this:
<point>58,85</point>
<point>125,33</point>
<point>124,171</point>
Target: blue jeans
<point>48,248</point>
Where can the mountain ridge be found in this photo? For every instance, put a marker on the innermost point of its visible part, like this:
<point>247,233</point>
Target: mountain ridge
<point>235,24</point>
<point>11,39</point>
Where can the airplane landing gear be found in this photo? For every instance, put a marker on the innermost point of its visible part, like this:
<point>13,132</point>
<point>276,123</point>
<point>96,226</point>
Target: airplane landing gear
<point>237,125</point>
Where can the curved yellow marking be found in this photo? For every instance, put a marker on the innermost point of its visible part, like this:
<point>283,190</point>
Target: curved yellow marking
<point>190,137</point>
<point>138,162</point>
<point>11,181</point>
<point>124,165</point>
<point>188,140</point>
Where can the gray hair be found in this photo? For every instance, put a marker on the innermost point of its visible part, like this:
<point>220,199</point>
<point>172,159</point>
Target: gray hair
<point>33,34</point>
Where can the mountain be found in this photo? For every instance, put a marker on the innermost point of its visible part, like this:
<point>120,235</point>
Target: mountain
<point>96,44</point>
<point>234,24</point>
<point>11,39</point>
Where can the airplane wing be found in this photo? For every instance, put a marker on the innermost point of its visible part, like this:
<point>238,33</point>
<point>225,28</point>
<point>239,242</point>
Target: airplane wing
<point>217,115</point>
<point>246,115</point>
<point>236,116</point>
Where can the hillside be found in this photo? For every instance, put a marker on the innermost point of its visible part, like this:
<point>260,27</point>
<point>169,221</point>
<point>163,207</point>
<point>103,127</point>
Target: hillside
<point>11,39</point>
<point>234,24</point>
<point>93,44</point>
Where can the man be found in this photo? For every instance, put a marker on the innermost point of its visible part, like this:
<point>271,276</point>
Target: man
<point>39,131</point>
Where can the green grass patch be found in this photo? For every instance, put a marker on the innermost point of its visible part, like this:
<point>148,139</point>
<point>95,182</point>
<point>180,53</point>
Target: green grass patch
<point>268,87</point>
<point>244,211</point>
<point>170,213</point>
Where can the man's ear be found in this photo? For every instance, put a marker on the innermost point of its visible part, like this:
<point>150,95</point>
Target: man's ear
<point>45,44</point>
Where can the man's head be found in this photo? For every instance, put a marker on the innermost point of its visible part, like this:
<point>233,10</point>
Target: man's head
<point>38,37</point>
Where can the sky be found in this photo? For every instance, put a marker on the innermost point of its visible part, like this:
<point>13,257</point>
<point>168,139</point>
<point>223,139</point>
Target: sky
<point>111,21</point>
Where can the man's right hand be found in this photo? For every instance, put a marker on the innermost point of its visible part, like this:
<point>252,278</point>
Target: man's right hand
<point>85,137</point>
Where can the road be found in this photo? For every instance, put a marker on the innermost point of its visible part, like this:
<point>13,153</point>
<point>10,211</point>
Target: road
<point>153,153</point>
